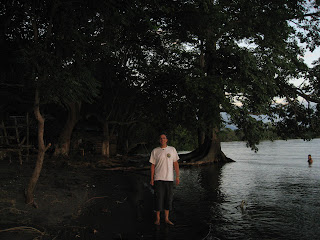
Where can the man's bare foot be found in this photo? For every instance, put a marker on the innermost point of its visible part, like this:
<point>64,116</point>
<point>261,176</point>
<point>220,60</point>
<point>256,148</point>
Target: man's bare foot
<point>169,222</point>
<point>157,222</point>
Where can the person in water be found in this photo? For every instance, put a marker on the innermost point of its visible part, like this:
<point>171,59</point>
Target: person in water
<point>310,161</point>
<point>163,159</point>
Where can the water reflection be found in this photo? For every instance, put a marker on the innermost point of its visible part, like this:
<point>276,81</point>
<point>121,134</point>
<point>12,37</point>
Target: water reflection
<point>196,201</point>
<point>281,191</point>
<point>210,180</point>
<point>282,195</point>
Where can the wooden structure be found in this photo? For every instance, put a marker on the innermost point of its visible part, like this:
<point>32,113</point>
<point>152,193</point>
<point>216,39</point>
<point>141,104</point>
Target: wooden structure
<point>14,137</point>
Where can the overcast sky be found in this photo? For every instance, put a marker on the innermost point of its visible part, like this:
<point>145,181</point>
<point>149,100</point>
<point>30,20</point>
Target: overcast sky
<point>312,56</point>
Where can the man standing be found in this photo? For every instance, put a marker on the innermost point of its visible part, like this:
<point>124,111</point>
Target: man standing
<point>163,159</point>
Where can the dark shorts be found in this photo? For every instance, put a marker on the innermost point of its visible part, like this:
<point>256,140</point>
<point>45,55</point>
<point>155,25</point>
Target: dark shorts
<point>163,195</point>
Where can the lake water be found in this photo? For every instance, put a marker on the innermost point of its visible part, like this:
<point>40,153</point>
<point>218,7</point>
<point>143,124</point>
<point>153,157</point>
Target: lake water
<point>282,194</point>
<point>281,191</point>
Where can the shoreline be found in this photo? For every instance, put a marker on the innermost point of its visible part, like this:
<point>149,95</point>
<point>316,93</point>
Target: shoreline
<point>79,200</point>
<point>93,198</point>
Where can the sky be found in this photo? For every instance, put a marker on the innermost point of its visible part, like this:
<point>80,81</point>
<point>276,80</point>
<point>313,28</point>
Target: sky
<point>308,58</point>
<point>311,56</point>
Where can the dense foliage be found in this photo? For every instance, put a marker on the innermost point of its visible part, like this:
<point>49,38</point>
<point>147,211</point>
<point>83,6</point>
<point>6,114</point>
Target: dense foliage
<point>170,66</point>
<point>229,135</point>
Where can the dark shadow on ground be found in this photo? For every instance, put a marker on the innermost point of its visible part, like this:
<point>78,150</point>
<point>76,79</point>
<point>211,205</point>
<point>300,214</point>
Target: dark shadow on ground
<point>85,202</point>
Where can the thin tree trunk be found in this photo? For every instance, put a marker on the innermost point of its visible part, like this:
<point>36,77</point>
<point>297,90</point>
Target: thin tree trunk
<point>63,146</point>
<point>122,141</point>
<point>41,152</point>
<point>106,140</point>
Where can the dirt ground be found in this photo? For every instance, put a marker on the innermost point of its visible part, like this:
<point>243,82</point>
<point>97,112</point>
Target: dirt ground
<point>77,200</point>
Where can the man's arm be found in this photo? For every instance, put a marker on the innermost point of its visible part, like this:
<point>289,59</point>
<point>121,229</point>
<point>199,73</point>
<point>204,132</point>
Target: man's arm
<point>176,168</point>
<point>152,174</point>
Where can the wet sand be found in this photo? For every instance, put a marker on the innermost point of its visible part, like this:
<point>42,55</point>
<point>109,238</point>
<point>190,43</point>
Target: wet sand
<point>84,202</point>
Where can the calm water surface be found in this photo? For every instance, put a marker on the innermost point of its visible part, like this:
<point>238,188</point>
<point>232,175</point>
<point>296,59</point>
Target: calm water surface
<point>281,190</point>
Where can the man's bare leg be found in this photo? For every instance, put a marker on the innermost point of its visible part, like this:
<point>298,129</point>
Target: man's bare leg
<point>166,214</point>
<point>157,222</point>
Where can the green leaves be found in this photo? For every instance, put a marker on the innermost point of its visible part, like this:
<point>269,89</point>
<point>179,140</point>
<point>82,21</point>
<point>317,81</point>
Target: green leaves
<point>181,61</point>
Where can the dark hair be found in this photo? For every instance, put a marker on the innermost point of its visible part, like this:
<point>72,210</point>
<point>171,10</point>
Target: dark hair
<point>163,134</point>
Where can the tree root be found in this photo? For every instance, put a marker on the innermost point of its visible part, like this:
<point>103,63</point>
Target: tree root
<point>13,210</point>
<point>120,202</point>
<point>33,204</point>
<point>96,198</point>
<point>23,228</point>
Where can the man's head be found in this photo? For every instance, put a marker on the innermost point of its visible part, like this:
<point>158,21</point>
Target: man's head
<point>163,140</point>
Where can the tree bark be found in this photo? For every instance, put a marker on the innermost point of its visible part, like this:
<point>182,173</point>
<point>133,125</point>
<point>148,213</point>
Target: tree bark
<point>201,137</point>
<point>214,153</point>
<point>209,152</point>
<point>41,152</point>
<point>122,141</point>
<point>63,146</point>
<point>106,140</point>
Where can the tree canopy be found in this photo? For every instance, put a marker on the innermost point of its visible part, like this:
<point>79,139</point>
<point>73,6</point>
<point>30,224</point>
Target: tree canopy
<point>168,65</point>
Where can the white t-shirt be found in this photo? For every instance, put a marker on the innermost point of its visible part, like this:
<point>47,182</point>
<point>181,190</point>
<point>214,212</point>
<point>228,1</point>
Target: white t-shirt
<point>163,159</point>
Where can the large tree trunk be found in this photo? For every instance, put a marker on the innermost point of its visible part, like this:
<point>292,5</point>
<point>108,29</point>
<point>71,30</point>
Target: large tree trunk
<point>201,137</point>
<point>214,153</point>
<point>41,153</point>
<point>63,146</point>
<point>209,152</point>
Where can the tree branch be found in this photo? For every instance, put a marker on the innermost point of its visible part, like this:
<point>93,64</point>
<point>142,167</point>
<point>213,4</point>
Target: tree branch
<point>315,14</point>
<point>307,97</point>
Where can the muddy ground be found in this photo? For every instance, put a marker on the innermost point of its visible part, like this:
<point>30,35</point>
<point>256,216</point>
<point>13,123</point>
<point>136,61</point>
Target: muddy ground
<point>77,200</point>
<point>89,198</point>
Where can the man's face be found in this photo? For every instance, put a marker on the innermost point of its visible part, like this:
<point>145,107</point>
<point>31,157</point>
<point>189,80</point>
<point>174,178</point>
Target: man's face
<point>163,140</point>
